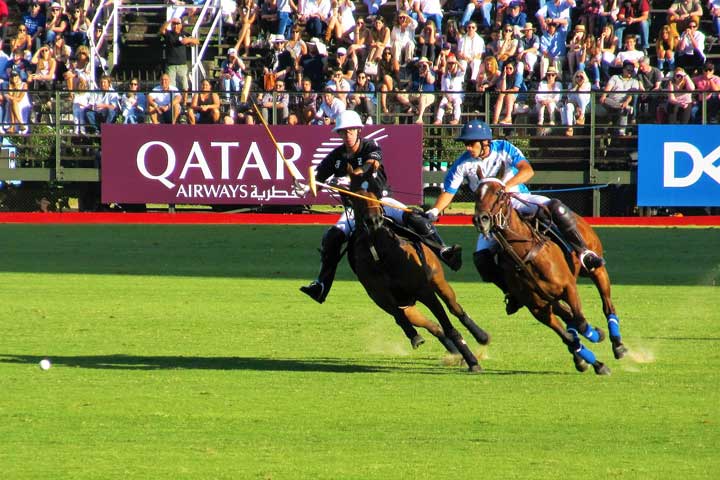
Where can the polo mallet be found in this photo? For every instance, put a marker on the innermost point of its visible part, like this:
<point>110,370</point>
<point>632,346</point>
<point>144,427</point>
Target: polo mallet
<point>272,138</point>
<point>313,184</point>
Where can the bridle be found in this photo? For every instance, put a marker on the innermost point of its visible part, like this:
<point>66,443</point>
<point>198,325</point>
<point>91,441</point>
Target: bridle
<point>485,220</point>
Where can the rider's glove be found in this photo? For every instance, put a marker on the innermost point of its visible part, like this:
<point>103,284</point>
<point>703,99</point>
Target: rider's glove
<point>432,214</point>
<point>300,188</point>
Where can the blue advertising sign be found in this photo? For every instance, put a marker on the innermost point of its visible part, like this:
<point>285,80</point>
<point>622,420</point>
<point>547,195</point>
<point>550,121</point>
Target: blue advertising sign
<point>679,166</point>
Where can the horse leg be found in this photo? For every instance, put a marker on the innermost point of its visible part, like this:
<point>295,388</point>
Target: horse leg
<point>431,301</point>
<point>415,338</point>
<point>415,317</point>
<point>545,316</point>
<point>576,318</point>
<point>385,301</point>
<point>601,279</point>
<point>447,294</point>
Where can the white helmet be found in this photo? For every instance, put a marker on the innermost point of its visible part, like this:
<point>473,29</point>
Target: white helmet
<point>347,119</point>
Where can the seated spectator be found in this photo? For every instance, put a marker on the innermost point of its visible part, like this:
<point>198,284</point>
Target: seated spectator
<point>493,46</point>
<point>17,105</point>
<point>507,45</point>
<point>344,64</point>
<point>682,13</point>
<point>279,63</point>
<point>528,50</point>
<point>451,34</point>
<point>552,49</point>
<point>452,86</point>
<point>577,49</point>
<point>77,32</point>
<point>133,104</point>
<point>629,53</point>
<point>547,97</point>
<point>607,45</point>
<point>510,86</point>
<point>691,48</point>
<point>616,98</point>
<point>34,22</point>
<point>340,85</point>
<point>22,41</point>
<point>18,64</point>
<point>61,53</point>
<point>363,99</point>
<point>665,49</point>
<point>489,75</point>
<point>486,9</point>
<point>330,108</point>
<point>680,101</point>
<point>379,39</point>
<point>57,23</point>
<point>79,68</point>
<point>361,40</point>
<point>248,15</point>
<point>275,104</point>
<point>81,100</point>
<point>419,96</point>
<point>316,15</point>
<point>205,105</point>
<point>296,46</point>
<point>578,99</point>
<point>427,41</point>
<point>429,11</point>
<point>515,18</point>
<point>104,105</point>
<point>650,79</point>
<point>313,65</point>
<point>233,73</point>
<point>164,102</point>
<point>341,22</point>
<point>633,18</point>
<point>402,38</point>
<point>470,51</point>
<point>709,84</point>
<point>45,68</point>
<point>387,77</point>
<point>303,106</point>
<point>440,63</point>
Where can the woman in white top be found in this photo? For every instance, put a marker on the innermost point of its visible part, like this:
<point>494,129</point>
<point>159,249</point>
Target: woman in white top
<point>548,96</point>
<point>341,21</point>
<point>402,37</point>
<point>18,104</point>
<point>578,99</point>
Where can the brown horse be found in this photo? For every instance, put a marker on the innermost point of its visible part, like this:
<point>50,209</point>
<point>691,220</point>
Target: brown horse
<point>397,273</point>
<point>540,275</point>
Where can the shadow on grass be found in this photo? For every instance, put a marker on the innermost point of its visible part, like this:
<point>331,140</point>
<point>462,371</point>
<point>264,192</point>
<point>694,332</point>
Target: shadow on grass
<point>322,365</point>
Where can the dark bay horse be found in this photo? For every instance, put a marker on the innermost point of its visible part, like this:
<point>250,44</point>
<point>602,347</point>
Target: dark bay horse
<point>397,273</point>
<point>543,277</point>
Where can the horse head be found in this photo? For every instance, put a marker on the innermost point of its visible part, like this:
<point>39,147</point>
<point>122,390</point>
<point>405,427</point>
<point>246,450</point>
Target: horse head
<point>369,214</point>
<point>491,203</point>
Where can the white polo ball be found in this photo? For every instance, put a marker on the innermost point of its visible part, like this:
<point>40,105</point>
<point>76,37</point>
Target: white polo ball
<point>45,364</point>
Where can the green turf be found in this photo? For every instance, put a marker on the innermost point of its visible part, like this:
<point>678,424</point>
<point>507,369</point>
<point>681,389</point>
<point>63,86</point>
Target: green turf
<point>187,352</point>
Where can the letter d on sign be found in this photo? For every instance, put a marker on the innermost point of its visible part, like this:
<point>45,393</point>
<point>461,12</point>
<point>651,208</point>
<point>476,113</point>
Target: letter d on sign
<point>670,149</point>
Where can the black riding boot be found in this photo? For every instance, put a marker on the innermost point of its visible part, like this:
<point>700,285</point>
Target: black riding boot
<point>488,270</point>
<point>330,254</point>
<point>451,255</point>
<point>565,220</point>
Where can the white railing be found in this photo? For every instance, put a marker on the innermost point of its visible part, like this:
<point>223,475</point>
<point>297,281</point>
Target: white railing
<point>114,14</point>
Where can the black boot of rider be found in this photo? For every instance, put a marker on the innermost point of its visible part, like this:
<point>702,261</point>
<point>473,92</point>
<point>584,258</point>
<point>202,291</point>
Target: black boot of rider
<point>450,254</point>
<point>565,220</point>
<point>330,255</point>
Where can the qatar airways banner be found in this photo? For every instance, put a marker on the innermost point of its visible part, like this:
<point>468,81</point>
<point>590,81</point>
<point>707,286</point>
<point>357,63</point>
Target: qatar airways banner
<point>239,164</point>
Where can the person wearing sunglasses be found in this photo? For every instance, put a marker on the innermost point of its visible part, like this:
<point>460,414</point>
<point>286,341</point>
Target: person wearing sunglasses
<point>680,99</point>
<point>547,98</point>
<point>691,48</point>
<point>617,96</point>
<point>133,104</point>
<point>470,50</point>
<point>57,23</point>
<point>578,99</point>
<point>708,83</point>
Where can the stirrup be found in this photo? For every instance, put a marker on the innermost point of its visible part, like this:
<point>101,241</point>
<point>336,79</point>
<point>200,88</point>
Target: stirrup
<point>452,256</point>
<point>591,260</point>
<point>315,291</point>
<point>511,305</point>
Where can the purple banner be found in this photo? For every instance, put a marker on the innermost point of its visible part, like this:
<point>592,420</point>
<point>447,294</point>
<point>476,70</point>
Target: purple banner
<point>239,164</point>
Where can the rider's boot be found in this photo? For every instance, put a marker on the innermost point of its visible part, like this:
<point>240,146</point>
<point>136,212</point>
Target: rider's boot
<point>488,270</point>
<point>565,220</point>
<point>330,254</point>
<point>450,254</point>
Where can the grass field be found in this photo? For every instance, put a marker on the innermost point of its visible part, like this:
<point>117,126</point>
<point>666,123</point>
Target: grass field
<point>188,352</point>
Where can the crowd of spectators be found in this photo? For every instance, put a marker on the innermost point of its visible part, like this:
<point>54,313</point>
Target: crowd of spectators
<point>315,58</point>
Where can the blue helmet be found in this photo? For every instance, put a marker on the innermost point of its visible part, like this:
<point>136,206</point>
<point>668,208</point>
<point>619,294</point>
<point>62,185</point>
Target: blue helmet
<point>475,130</point>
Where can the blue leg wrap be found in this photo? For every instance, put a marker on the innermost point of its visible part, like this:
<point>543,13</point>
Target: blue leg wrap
<point>591,334</point>
<point>580,349</point>
<point>613,325</point>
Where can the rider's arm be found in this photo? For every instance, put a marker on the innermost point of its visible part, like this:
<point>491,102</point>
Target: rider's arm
<point>443,200</point>
<point>524,174</point>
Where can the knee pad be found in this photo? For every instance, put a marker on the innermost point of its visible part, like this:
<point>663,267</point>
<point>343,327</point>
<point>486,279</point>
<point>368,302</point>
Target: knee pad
<point>484,261</point>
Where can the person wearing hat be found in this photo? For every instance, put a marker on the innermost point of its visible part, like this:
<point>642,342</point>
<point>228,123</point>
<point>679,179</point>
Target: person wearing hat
<point>278,63</point>
<point>529,49</point>
<point>576,54</point>
<point>548,96</point>
<point>355,153</point>
<point>419,96</point>
<point>233,73</point>
<point>57,23</point>
<point>515,17</point>
<point>452,86</point>
<point>617,97</point>
<point>176,43</point>
<point>492,157</point>
<point>556,12</point>
<point>552,49</point>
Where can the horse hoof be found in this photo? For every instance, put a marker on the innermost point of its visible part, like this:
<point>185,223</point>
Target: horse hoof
<point>619,350</point>
<point>601,368</point>
<point>483,338</point>
<point>416,341</point>
<point>475,369</point>
<point>580,364</point>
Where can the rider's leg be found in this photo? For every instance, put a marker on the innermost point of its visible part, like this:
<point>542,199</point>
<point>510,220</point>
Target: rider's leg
<point>484,261</point>
<point>565,220</point>
<point>451,255</point>
<point>330,254</point>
